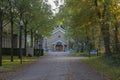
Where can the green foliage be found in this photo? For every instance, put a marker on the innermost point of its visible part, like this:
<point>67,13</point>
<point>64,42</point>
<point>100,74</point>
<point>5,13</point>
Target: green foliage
<point>10,66</point>
<point>113,60</point>
<point>43,19</point>
<point>79,18</point>
<point>101,65</point>
<point>116,59</point>
<point>35,14</point>
<point>91,22</point>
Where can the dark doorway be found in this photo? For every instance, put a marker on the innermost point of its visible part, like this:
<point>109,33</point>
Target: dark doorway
<point>59,48</point>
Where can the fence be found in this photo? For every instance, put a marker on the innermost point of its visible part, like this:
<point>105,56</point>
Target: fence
<point>16,51</point>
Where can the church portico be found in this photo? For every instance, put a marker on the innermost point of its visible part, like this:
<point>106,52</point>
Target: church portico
<point>59,46</point>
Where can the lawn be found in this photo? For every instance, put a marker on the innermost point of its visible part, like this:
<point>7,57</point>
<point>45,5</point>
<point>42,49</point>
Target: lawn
<point>9,66</point>
<point>102,66</point>
<point>85,54</point>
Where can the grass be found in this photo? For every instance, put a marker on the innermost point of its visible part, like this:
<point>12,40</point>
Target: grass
<point>85,54</point>
<point>102,66</point>
<point>9,66</point>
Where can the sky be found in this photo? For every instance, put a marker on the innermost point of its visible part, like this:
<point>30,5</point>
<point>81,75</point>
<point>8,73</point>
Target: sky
<point>55,4</point>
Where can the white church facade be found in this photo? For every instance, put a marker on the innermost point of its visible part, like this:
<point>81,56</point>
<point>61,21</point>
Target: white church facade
<point>57,41</point>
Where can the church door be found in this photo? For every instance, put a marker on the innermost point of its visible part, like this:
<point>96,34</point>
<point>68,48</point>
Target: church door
<point>59,48</point>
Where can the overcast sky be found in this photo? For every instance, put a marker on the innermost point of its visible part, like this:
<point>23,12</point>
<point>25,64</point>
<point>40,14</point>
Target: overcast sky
<point>55,4</point>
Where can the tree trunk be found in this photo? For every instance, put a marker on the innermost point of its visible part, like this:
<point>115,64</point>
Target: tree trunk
<point>0,43</point>
<point>106,37</point>
<point>12,42</point>
<point>116,49</point>
<point>1,29</point>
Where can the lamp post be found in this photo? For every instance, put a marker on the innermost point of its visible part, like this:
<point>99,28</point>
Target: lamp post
<point>20,40</point>
<point>46,48</point>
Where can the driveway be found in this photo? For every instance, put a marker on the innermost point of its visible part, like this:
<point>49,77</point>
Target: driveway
<point>58,66</point>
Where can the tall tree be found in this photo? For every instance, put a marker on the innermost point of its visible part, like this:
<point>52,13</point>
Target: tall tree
<point>3,11</point>
<point>115,14</point>
<point>102,8</point>
<point>12,16</point>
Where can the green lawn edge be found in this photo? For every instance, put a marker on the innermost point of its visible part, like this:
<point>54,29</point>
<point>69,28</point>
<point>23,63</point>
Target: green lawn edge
<point>102,66</point>
<point>11,66</point>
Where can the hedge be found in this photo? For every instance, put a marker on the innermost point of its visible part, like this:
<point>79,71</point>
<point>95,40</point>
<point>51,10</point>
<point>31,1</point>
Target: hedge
<point>16,51</point>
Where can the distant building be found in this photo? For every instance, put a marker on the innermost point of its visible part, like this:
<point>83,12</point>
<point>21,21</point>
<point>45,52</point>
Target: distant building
<point>6,38</point>
<point>57,41</point>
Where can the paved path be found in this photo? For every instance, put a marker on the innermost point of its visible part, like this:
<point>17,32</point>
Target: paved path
<point>58,66</point>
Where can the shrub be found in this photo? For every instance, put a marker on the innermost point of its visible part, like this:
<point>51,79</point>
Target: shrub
<point>113,59</point>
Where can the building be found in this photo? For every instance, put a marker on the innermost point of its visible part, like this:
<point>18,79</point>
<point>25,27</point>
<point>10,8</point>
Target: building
<point>57,41</point>
<point>6,40</point>
<point>6,37</point>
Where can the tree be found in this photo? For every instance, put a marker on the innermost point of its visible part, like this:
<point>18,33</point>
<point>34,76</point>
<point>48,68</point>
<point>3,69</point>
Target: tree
<point>87,17</point>
<point>12,16</point>
<point>115,14</point>
<point>3,12</point>
<point>78,15</point>
<point>103,15</point>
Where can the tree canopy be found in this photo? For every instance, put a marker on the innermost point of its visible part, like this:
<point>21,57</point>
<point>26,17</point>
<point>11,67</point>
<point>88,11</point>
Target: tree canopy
<point>93,22</point>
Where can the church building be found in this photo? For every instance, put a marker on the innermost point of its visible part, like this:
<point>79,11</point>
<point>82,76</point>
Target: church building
<point>57,41</point>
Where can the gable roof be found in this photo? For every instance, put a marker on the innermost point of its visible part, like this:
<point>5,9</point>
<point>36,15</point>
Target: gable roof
<point>58,29</point>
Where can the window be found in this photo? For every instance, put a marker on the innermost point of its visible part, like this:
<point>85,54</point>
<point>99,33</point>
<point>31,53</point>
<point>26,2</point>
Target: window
<point>59,36</point>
